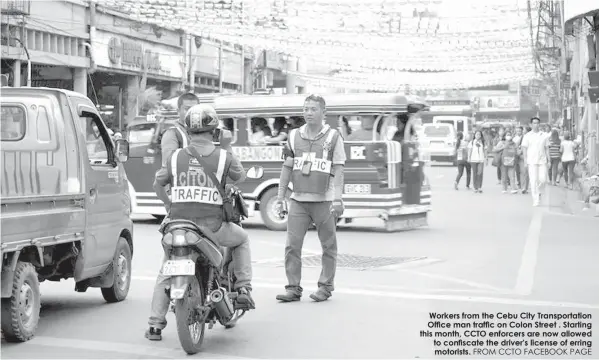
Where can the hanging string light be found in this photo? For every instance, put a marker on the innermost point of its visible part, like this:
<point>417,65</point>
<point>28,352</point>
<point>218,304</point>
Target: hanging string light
<point>360,37</point>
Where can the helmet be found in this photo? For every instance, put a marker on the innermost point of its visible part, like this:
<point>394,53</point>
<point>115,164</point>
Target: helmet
<point>201,118</point>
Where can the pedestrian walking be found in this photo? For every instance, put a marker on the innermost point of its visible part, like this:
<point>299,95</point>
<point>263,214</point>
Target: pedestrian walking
<point>555,156</point>
<point>508,161</point>
<point>568,150</point>
<point>523,176</point>
<point>476,157</point>
<point>496,140</point>
<point>462,160</point>
<point>536,152</point>
<point>314,161</point>
<point>519,133</point>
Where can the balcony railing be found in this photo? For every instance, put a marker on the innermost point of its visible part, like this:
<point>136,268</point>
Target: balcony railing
<point>15,7</point>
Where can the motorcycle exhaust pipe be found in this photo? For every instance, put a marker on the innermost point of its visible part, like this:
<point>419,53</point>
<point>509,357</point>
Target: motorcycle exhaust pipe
<point>222,304</point>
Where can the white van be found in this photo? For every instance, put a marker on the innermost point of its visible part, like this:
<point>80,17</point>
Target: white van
<point>439,140</point>
<point>460,123</point>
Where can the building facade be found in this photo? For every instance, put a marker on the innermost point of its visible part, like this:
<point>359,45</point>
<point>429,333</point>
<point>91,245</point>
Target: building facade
<point>217,67</point>
<point>134,65</point>
<point>52,36</point>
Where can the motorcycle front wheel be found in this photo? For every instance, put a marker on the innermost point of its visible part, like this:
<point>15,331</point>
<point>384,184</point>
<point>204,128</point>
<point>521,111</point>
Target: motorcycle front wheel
<point>189,328</point>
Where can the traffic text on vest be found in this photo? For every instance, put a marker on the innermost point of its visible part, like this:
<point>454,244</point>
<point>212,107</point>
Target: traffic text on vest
<point>320,165</point>
<point>197,194</point>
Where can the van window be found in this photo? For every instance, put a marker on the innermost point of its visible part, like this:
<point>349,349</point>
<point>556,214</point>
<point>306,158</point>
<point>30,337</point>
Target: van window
<point>141,133</point>
<point>97,144</point>
<point>14,122</point>
<point>436,131</point>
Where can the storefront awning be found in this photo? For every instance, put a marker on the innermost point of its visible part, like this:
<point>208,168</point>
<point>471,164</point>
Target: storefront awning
<point>576,9</point>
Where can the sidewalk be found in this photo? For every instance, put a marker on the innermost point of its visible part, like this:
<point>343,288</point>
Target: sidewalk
<point>565,201</point>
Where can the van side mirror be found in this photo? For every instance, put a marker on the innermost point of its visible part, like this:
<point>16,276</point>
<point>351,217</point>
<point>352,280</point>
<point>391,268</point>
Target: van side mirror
<point>121,150</point>
<point>255,172</point>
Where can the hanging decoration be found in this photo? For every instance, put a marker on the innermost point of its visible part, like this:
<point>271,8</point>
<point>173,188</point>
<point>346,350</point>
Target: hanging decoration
<point>368,41</point>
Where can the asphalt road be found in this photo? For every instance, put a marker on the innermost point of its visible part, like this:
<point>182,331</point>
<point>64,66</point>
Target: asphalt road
<point>487,252</point>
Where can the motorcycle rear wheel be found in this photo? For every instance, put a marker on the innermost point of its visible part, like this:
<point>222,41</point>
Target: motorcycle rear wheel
<point>191,335</point>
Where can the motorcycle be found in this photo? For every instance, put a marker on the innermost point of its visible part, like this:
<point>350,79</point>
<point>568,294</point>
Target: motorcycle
<point>201,280</point>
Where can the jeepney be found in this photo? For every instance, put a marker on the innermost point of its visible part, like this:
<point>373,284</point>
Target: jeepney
<point>379,181</point>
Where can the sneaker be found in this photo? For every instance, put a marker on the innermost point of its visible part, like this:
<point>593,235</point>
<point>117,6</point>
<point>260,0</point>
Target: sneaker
<point>515,191</point>
<point>504,191</point>
<point>524,192</point>
<point>154,334</point>
<point>455,185</point>
<point>321,295</point>
<point>244,299</point>
<point>289,296</point>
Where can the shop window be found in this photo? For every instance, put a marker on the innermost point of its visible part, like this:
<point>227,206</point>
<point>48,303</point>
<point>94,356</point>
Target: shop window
<point>14,121</point>
<point>273,130</point>
<point>43,125</point>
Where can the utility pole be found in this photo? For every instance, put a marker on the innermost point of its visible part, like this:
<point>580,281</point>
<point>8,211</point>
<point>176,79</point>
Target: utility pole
<point>220,66</point>
<point>593,124</point>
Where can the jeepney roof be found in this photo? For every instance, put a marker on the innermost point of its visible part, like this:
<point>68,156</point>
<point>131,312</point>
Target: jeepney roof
<point>337,104</point>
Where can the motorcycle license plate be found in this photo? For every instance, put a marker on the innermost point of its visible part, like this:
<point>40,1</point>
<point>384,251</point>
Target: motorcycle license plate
<point>178,267</point>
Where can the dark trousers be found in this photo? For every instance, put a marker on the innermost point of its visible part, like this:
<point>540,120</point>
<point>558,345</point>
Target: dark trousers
<point>461,166</point>
<point>300,218</point>
<point>569,171</point>
<point>554,170</point>
<point>477,175</point>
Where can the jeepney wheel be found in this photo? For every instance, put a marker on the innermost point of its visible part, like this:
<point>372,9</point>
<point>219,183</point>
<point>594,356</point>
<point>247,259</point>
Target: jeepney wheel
<point>270,217</point>
<point>21,312</point>
<point>121,265</point>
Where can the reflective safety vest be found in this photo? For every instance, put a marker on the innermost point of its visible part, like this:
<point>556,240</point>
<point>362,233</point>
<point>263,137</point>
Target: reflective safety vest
<point>319,153</point>
<point>193,194</point>
<point>182,135</point>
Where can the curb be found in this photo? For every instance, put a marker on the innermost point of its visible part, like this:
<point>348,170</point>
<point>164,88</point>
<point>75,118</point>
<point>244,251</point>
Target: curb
<point>565,201</point>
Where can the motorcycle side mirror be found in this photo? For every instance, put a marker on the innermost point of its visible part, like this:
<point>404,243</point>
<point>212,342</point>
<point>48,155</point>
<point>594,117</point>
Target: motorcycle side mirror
<point>255,172</point>
<point>122,150</point>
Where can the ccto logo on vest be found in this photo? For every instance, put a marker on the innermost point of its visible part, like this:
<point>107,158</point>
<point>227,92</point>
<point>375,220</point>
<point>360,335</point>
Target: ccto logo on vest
<point>317,152</point>
<point>190,182</point>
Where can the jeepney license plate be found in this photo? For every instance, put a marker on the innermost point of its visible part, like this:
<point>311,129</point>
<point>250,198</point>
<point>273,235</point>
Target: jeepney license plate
<point>178,267</point>
<point>357,189</point>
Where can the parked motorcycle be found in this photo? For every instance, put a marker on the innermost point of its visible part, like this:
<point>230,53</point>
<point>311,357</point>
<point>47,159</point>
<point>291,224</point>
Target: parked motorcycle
<point>201,286</point>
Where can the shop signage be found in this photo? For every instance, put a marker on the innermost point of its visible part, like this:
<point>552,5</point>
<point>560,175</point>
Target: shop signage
<point>499,103</point>
<point>449,105</point>
<point>118,52</point>
<point>131,53</point>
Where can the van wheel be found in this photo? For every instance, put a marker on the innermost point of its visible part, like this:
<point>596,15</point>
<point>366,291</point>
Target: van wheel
<point>21,312</point>
<point>269,215</point>
<point>122,273</point>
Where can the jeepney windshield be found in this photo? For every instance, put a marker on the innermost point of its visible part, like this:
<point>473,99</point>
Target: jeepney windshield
<point>141,134</point>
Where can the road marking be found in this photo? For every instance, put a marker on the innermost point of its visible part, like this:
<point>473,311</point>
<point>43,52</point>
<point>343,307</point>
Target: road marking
<point>421,296</point>
<point>151,352</point>
<point>461,281</point>
<point>528,262</point>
